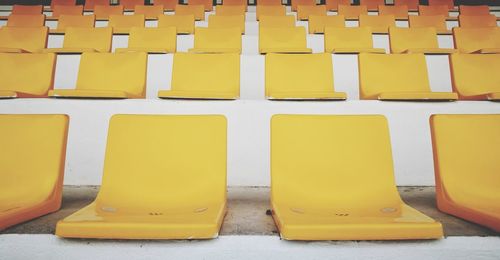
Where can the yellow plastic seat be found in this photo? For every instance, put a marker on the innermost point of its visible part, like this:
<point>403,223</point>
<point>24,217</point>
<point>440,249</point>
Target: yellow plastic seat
<point>217,40</point>
<point>283,40</point>
<point>109,75</point>
<point>352,12</point>
<point>416,40</point>
<point>475,76</point>
<point>466,149</point>
<point>474,9</point>
<point>412,5</point>
<point>227,21</point>
<point>269,2</point>
<point>149,11</point>
<point>378,23</point>
<point>129,5</point>
<point>168,5</point>
<point>436,21</point>
<point>65,21</point>
<point>103,12</point>
<point>27,9</point>
<point>235,3</point>
<point>207,4</point>
<point>80,39</point>
<point>151,40</point>
<point>300,77</point>
<point>400,12</point>
<point>26,75</point>
<point>296,3</point>
<point>350,40</point>
<point>278,21</point>
<point>23,39</point>
<point>449,3</point>
<point>318,23</point>
<point>372,5</point>
<point>304,11</point>
<point>333,5</point>
<point>198,11</point>
<point>397,77</point>
<point>331,179</point>
<point>204,76</point>
<point>183,23</point>
<point>230,10</point>
<point>270,10</point>
<point>477,21</point>
<point>26,20</point>
<point>91,4</point>
<point>148,191</point>
<point>58,10</point>
<point>122,24</point>
<point>32,169</point>
<point>477,40</point>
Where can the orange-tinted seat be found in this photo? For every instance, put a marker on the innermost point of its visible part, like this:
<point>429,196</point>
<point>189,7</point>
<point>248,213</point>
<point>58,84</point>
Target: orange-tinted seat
<point>207,4</point>
<point>333,5</point>
<point>296,3</point>
<point>23,39</point>
<point>449,3</point>
<point>318,23</point>
<point>400,12</point>
<point>53,3</point>
<point>102,12</point>
<point>432,10</point>
<point>81,21</point>
<point>474,9</point>
<point>129,5</point>
<point>412,5</point>
<point>58,10</point>
<point>198,11</point>
<point>122,24</point>
<point>304,11</point>
<point>352,12</point>
<point>477,40</point>
<point>269,2</point>
<point>90,4</point>
<point>235,2</point>
<point>168,5</point>
<point>230,10</point>
<point>85,39</point>
<point>378,23</point>
<point>184,24</point>
<point>270,10</point>
<point>416,40</point>
<point>436,21</point>
<point>26,20</point>
<point>149,11</point>
<point>474,21</point>
<point>372,5</point>
<point>27,9</point>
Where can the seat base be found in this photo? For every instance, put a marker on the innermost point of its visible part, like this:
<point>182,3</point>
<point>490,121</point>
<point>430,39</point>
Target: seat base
<point>285,50</point>
<point>148,50</point>
<point>309,95</point>
<point>358,50</point>
<point>176,94</point>
<point>214,50</point>
<point>76,93</point>
<point>419,96</point>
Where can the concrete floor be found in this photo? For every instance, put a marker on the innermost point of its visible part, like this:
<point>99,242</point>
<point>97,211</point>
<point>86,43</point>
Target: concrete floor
<point>247,212</point>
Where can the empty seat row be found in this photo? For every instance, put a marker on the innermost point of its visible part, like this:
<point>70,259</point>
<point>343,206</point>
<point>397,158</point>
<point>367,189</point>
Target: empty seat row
<point>330,178</point>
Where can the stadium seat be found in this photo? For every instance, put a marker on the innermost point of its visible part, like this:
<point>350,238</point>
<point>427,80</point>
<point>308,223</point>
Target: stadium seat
<point>147,190</point>
<point>53,3</point>
<point>23,39</point>
<point>122,24</point>
<point>270,10</point>
<point>151,40</point>
<point>32,169</point>
<point>235,3</point>
<point>276,21</point>
<point>412,5</point>
<point>372,5</point>
<point>300,77</point>
<point>108,75</point>
<point>449,3</point>
<point>432,10</point>
<point>436,21</point>
<point>91,4</point>
<point>304,11</point>
<point>331,179</point>
<point>198,11</point>
<point>475,21</point>
<point>477,40</point>
<point>102,12</point>
<point>333,5</point>
<point>475,76</point>
<point>129,5</point>
<point>80,39</point>
<point>168,5</point>
<point>474,10</point>
<point>283,40</point>
<point>66,21</point>
<point>183,23</point>
<point>27,9</point>
<point>400,12</point>
<point>149,11</point>
<point>26,75</point>
<point>397,77</point>
<point>227,21</point>
<point>269,2</point>
<point>296,3</point>
<point>318,23</point>
<point>217,40</point>
<point>466,149</point>
<point>26,20</point>
<point>207,4</point>
<point>230,10</point>
<point>58,10</point>
<point>352,12</point>
<point>204,76</point>
<point>416,40</point>
<point>377,23</point>
<point>350,40</point>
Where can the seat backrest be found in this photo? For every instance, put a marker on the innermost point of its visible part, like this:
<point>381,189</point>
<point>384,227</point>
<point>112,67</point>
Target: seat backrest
<point>380,73</point>
<point>167,160</point>
<point>104,11</point>
<point>167,4</point>
<point>197,10</point>
<point>333,5</point>
<point>475,74</point>
<point>227,21</point>
<point>449,3</point>
<point>91,4</point>
<point>372,5</point>
<point>401,39</point>
<point>399,11</point>
<point>348,37</point>
<point>474,9</point>
<point>296,3</point>
<point>475,21</point>
<point>94,38</point>
<point>426,10</point>
<point>27,9</point>
<point>472,39</point>
<point>410,4</point>
<point>284,37</point>
<point>31,74</point>
<point>352,11</point>
<point>235,2</point>
<point>130,4</point>
<point>466,149</point>
<point>113,71</point>
<point>33,155</point>
<point>230,10</point>
<point>436,21</point>
<point>378,23</point>
<point>160,38</point>
<point>149,10</point>
<point>32,39</point>
<point>53,3</point>
<point>183,23</point>
<point>276,21</point>
<point>318,23</point>
<point>26,20</point>
<point>332,162</point>
<point>304,11</point>
<point>299,72</point>
<point>270,10</point>
<point>58,10</point>
<point>126,21</point>
<point>217,38</point>
<point>85,21</point>
<point>207,4</point>
<point>206,72</point>
<point>269,2</point>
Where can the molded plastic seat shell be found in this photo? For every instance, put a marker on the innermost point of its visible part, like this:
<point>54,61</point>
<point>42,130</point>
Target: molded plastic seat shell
<point>223,10</point>
<point>412,5</point>
<point>318,23</point>
<point>400,12</point>
<point>102,12</point>
<point>151,40</point>
<point>352,12</point>
<point>26,20</point>
<point>183,23</point>
<point>449,3</point>
<point>477,40</point>
<point>207,4</point>
<point>168,5</point>
<point>296,3</point>
<point>129,5</point>
<point>333,5</point>
<point>477,21</point>
<point>270,10</point>
<point>91,4</point>
<point>436,21</point>
<point>122,24</point>
<point>227,21</point>
<point>65,21</point>
<point>474,9</point>
<point>217,40</point>
<point>283,40</point>
<point>377,23</point>
<point>27,9</point>
<point>81,39</point>
<point>304,11</point>
<point>23,39</point>
<point>150,12</point>
<point>195,10</point>
<point>58,10</point>
<point>416,40</point>
<point>350,40</point>
<point>372,5</point>
<point>277,21</point>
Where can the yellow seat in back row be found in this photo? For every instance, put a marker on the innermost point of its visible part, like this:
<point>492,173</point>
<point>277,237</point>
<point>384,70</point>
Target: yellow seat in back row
<point>227,21</point>
<point>283,40</point>
<point>65,21</point>
<point>350,40</point>
<point>23,39</point>
<point>217,40</point>
<point>415,40</point>
<point>24,20</point>
<point>318,23</point>
<point>164,178</point>
<point>151,40</point>
<point>183,23</point>
<point>79,40</point>
<point>331,179</point>
<point>477,40</point>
